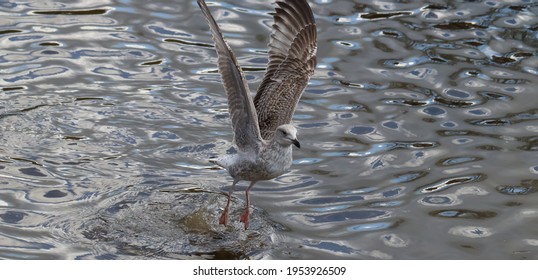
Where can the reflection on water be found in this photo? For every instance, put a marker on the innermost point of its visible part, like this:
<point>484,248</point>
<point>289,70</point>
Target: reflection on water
<point>418,133</point>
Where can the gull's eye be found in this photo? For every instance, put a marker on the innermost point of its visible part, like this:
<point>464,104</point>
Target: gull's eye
<point>284,133</point>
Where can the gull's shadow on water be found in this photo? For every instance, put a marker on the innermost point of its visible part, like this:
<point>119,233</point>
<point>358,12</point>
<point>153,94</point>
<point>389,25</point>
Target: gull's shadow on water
<point>172,221</point>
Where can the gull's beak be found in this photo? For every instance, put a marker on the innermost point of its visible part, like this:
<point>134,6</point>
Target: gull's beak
<point>296,143</point>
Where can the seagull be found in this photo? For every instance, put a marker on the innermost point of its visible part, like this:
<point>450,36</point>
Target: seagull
<point>261,125</point>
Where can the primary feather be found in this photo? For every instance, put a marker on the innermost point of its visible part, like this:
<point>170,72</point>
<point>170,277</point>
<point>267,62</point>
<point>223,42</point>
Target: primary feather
<point>292,60</point>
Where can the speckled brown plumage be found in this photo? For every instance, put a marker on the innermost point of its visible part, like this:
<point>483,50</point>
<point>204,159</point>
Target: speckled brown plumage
<point>292,60</point>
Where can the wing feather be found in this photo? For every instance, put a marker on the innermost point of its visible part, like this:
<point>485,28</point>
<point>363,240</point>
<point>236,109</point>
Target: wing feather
<point>292,60</point>
<point>240,104</point>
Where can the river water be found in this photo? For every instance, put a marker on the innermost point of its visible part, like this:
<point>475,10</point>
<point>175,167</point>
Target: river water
<point>419,132</point>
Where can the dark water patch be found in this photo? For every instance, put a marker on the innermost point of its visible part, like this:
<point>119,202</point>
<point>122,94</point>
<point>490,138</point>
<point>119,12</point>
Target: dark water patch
<point>189,43</point>
<point>73,12</point>
<point>463,213</point>
<point>407,102</point>
<point>391,124</point>
<point>9,31</point>
<point>366,86</point>
<point>73,137</point>
<point>13,88</point>
<point>12,217</point>
<point>380,15</point>
<point>410,62</point>
<point>437,6</point>
<point>515,190</point>
<point>527,186</point>
<point>331,247</point>
<point>88,98</point>
<point>478,112</point>
<point>449,124</point>
<point>32,108</point>
<point>418,145</point>
<point>490,122</point>
<point>459,25</point>
<point>434,111</point>
<point>446,183</point>
<point>149,63</point>
<point>50,44</point>
<point>531,143</point>
<point>359,130</point>
<point>55,194</point>
<point>456,103</point>
<point>165,135</point>
<point>513,204</point>
<point>473,42</point>
<point>495,96</point>
<point>489,148</point>
<point>509,119</point>
<point>49,52</point>
<point>511,81</point>
<point>512,58</point>
<point>32,171</point>
<point>348,45</point>
<point>27,160</point>
<point>530,115</point>
<point>346,116</point>
<point>470,133</point>
<point>393,192</point>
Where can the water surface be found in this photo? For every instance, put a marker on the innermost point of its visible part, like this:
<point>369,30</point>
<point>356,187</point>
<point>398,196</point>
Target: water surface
<point>418,133</point>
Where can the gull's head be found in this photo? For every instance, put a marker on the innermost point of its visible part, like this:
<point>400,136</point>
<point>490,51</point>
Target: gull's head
<point>286,135</point>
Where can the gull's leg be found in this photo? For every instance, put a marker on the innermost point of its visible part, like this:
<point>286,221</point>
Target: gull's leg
<point>224,217</point>
<point>246,212</point>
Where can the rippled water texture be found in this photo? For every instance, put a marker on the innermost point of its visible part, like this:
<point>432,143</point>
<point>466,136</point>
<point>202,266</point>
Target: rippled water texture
<point>418,131</point>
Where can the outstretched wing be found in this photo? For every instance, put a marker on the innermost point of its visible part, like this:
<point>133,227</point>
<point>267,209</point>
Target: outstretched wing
<point>241,107</point>
<point>292,60</point>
